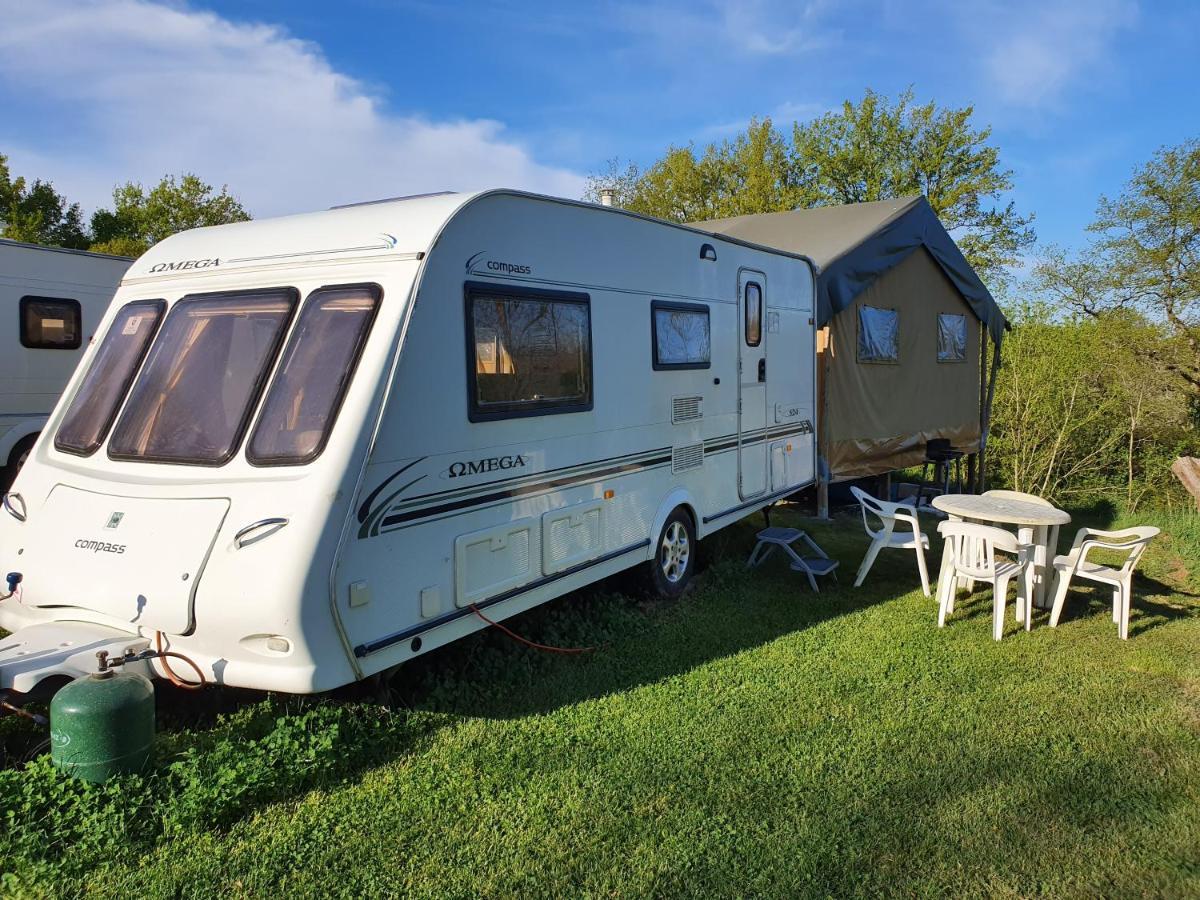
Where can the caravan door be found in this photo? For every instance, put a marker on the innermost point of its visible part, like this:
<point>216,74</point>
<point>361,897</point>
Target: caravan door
<point>752,384</point>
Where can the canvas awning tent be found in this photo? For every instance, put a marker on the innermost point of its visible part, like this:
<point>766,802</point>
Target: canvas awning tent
<point>889,277</point>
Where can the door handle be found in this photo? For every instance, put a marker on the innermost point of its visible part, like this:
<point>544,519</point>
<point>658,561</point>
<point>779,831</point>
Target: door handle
<point>762,369</point>
<point>264,527</point>
<point>11,509</point>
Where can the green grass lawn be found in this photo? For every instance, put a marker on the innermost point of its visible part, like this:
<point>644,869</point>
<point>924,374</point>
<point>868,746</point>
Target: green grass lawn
<point>750,739</point>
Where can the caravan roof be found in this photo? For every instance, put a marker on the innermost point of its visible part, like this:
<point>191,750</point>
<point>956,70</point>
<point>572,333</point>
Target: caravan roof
<point>392,227</point>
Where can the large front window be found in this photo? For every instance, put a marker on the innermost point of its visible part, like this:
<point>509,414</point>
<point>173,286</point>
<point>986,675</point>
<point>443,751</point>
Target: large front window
<point>203,377</point>
<point>91,414</point>
<point>320,360</point>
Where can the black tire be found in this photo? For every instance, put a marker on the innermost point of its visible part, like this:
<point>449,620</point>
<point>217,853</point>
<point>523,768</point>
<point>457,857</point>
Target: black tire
<point>16,459</point>
<point>674,561</point>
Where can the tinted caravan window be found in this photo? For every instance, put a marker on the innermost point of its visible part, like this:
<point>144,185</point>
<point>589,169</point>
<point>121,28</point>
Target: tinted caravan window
<point>51,323</point>
<point>529,353</point>
<point>753,314</point>
<point>203,377</point>
<point>91,413</point>
<point>681,335</point>
<point>317,366</point>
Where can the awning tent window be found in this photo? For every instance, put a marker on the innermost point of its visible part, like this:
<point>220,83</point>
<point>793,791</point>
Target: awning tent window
<point>952,337</point>
<point>878,335</point>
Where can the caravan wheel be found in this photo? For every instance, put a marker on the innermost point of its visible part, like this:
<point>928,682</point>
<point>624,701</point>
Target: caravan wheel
<point>675,555</point>
<point>20,453</point>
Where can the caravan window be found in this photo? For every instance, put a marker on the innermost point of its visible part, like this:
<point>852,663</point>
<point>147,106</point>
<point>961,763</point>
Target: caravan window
<point>50,323</point>
<point>91,414</point>
<point>681,335</point>
<point>311,383</point>
<point>753,314</point>
<point>203,377</point>
<point>878,335</point>
<point>952,338</point>
<point>529,352</point>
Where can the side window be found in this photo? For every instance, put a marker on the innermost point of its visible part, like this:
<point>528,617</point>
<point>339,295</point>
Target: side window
<point>878,335</point>
<point>681,335</point>
<point>529,353</point>
<point>952,338</point>
<point>753,313</point>
<point>51,323</point>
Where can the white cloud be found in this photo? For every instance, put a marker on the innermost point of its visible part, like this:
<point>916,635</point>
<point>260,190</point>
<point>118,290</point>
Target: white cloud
<point>714,28</point>
<point>1037,52</point>
<point>131,89</point>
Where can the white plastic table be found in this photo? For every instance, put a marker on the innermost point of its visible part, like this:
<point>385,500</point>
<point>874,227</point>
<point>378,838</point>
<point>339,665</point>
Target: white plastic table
<point>1037,525</point>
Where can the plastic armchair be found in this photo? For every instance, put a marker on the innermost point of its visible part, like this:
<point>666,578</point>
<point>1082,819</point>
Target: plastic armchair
<point>1131,541</point>
<point>970,552</point>
<point>890,515</point>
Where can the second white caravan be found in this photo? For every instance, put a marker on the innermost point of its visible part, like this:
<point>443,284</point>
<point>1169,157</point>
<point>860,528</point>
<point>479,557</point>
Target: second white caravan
<point>51,302</point>
<point>304,450</point>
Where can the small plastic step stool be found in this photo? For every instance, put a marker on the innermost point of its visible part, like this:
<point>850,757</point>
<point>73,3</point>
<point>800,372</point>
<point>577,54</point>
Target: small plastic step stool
<point>812,566</point>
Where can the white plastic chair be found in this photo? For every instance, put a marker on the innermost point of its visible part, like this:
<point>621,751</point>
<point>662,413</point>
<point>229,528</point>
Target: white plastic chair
<point>1132,541</point>
<point>1001,494</point>
<point>889,515</point>
<point>970,551</point>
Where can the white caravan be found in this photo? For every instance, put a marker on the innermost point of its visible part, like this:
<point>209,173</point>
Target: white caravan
<point>307,449</point>
<point>51,301</point>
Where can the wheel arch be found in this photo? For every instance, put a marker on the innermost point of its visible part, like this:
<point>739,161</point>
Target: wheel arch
<point>19,432</point>
<point>678,497</point>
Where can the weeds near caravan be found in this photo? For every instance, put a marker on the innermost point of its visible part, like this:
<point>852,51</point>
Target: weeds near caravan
<point>752,738</point>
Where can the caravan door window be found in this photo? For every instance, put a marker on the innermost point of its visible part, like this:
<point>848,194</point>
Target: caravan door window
<point>91,413</point>
<point>304,399</point>
<point>753,314</point>
<point>529,352</point>
<point>203,377</point>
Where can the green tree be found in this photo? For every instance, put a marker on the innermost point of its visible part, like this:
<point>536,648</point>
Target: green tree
<point>750,173</point>
<point>140,218</point>
<point>37,214</point>
<point>1082,411</point>
<point>875,149</point>
<point>1144,257</point>
<point>879,150</point>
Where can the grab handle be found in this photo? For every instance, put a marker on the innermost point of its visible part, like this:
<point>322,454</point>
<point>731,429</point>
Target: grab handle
<point>18,514</point>
<point>274,524</point>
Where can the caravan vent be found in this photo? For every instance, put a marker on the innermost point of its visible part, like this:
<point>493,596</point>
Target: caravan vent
<point>685,409</point>
<point>685,458</point>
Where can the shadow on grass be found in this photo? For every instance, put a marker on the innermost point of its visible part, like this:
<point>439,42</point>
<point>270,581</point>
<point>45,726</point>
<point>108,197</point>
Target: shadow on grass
<point>638,641</point>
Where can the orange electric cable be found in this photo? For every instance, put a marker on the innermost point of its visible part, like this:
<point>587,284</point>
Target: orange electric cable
<point>528,643</point>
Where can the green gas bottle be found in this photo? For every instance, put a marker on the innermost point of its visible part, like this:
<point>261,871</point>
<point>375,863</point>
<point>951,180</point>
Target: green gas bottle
<point>102,725</point>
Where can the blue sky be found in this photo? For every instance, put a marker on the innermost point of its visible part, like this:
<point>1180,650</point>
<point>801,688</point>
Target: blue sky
<point>299,105</point>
